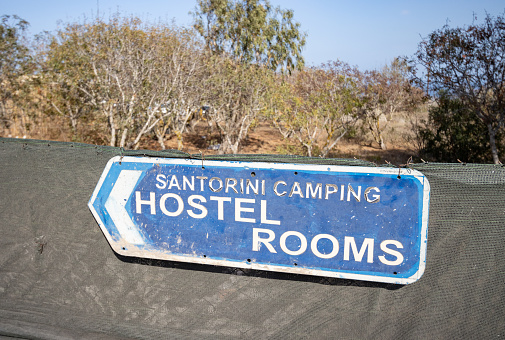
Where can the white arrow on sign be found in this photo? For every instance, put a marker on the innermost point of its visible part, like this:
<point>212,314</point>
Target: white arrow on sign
<point>116,203</point>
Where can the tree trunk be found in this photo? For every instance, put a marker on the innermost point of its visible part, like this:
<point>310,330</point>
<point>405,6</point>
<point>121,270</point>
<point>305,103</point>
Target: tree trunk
<point>112,136</point>
<point>382,143</point>
<point>112,127</point>
<point>122,143</point>
<point>228,147</point>
<point>309,149</point>
<point>161,141</point>
<point>492,143</point>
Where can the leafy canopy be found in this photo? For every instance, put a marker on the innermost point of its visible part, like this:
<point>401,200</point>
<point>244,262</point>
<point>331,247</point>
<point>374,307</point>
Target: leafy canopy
<point>252,31</point>
<point>468,63</point>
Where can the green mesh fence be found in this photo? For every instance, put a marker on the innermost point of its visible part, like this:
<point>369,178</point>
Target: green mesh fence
<point>59,278</point>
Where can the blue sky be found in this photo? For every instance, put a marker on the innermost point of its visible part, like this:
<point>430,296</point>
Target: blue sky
<point>364,33</point>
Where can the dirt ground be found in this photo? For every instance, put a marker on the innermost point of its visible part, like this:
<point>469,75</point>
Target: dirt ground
<point>266,139</point>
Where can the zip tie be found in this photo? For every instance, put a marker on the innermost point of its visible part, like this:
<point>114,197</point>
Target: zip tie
<point>407,165</point>
<point>121,153</point>
<point>201,153</point>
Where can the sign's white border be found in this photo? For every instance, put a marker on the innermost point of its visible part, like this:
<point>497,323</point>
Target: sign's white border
<point>119,247</point>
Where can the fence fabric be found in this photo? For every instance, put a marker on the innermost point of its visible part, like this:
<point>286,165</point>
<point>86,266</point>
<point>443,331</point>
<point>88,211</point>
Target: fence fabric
<point>59,278</point>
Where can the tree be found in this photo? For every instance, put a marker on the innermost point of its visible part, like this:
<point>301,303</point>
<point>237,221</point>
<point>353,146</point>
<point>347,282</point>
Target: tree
<point>453,133</point>
<point>292,111</point>
<point>251,31</point>
<point>322,107</point>
<point>469,64</point>
<point>181,68</point>
<point>68,78</point>
<point>387,92</point>
<point>245,40</point>
<point>16,70</point>
<point>131,73</point>
<point>235,95</point>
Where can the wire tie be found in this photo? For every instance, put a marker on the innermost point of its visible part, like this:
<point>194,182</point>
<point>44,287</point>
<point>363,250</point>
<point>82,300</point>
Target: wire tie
<point>203,158</point>
<point>121,153</point>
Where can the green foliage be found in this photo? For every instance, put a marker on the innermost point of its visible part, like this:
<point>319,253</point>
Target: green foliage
<point>125,82</point>
<point>318,106</point>
<point>469,64</point>
<point>385,93</point>
<point>16,69</point>
<point>14,55</point>
<point>251,31</point>
<point>454,133</point>
<point>136,78</point>
<point>235,94</point>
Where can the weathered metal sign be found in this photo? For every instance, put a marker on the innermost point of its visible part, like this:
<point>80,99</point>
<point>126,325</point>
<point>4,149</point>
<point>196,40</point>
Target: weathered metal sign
<point>358,223</point>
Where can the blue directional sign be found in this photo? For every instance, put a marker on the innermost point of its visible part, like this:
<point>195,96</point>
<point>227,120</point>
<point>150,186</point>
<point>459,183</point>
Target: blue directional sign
<point>362,223</point>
